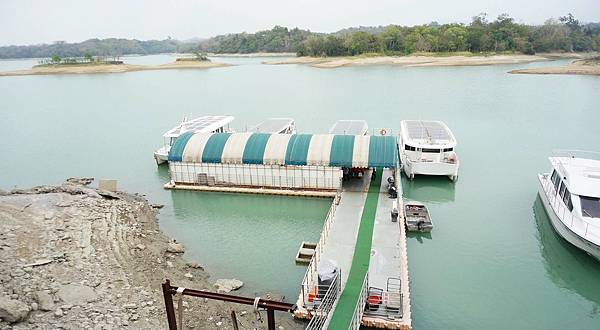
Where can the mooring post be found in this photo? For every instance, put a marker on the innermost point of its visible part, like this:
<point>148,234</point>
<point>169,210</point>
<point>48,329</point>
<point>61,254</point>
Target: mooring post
<point>166,287</point>
<point>270,319</point>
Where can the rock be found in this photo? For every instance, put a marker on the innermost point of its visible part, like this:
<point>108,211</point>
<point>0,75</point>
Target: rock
<point>80,181</point>
<point>228,285</point>
<point>108,194</point>
<point>34,306</point>
<point>12,311</point>
<point>4,193</point>
<point>130,306</point>
<point>45,301</point>
<point>140,247</point>
<point>156,206</point>
<point>170,264</point>
<point>76,294</point>
<point>174,247</point>
<point>193,264</point>
<point>189,275</point>
<point>58,312</point>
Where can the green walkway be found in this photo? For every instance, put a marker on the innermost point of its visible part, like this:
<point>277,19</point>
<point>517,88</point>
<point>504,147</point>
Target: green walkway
<point>342,315</point>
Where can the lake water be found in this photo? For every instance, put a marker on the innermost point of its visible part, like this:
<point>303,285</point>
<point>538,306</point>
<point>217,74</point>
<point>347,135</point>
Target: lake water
<point>492,260</point>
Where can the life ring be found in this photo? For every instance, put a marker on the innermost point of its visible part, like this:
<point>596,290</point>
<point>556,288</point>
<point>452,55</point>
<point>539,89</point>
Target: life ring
<point>383,131</point>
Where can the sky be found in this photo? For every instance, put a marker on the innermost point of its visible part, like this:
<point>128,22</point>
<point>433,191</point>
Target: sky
<point>32,22</point>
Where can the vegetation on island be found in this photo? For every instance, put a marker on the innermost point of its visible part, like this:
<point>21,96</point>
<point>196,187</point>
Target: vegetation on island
<point>87,59</point>
<point>501,35</point>
<point>481,35</point>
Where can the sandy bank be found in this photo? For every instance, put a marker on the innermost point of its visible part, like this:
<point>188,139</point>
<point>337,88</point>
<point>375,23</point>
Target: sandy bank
<point>413,61</point>
<point>252,55</point>
<point>75,257</point>
<point>110,68</point>
<point>581,67</point>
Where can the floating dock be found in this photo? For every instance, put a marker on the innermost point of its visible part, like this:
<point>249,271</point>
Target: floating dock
<point>371,287</point>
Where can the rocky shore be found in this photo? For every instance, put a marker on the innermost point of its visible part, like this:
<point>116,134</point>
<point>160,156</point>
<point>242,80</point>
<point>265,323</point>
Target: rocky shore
<point>75,257</point>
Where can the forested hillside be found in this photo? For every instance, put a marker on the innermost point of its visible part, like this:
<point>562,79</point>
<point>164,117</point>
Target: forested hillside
<point>503,34</point>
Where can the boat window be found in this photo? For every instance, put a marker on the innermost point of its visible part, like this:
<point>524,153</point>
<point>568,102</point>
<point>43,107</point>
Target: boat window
<point>563,187</point>
<point>554,175</point>
<point>590,206</point>
<point>556,181</point>
<point>433,151</point>
<point>448,149</point>
<point>409,148</point>
<point>567,200</point>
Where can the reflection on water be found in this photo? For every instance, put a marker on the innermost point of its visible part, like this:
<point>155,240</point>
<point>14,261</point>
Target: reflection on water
<point>419,236</point>
<point>567,266</point>
<point>430,188</point>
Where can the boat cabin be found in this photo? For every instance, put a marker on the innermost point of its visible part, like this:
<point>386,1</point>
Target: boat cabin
<point>204,124</point>
<point>428,141</point>
<point>576,182</point>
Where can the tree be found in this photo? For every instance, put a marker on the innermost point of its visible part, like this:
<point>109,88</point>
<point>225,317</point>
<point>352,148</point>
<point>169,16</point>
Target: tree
<point>392,40</point>
<point>56,59</point>
<point>88,57</point>
<point>456,38</point>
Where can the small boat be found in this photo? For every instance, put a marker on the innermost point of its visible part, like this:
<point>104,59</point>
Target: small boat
<point>571,198</point>
<point>417,217</point>
<point>275,126</point>
<point>204,124</point>
<point>428,148</point>
<point>350,127</point>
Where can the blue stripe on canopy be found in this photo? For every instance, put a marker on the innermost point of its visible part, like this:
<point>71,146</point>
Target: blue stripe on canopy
<point>254,150</point>
<point>342,149</point>
<point>176,151</point>
<point>213,150</point>
<point>297,149</point>
<point>383,151</point>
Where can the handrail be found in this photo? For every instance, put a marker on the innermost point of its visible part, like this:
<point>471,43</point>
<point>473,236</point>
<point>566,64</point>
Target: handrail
<point>575,153</point>
<point>557,206</point>
<point>320,315</point>
<point>359,309</point>
<point>308,279</point>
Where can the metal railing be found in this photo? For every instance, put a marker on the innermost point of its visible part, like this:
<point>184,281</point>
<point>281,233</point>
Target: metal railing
<point>324,303</point>
<point>310,278</point>
<point>359,309</point>
<point>575,224</point>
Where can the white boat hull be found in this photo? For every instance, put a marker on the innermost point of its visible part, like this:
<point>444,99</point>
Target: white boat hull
<point>161,155</point>
<point>412,168</point>
<point>562,229</point>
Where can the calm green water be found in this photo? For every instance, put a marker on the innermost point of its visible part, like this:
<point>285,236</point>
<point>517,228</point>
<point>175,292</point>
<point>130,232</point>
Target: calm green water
<point>492,260</point>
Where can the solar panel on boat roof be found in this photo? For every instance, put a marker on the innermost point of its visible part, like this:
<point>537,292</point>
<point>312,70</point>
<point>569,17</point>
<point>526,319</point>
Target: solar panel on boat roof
<point>427,130</point>
<point>349,127</point>
<point>202,122</point>
<point>272,125</point>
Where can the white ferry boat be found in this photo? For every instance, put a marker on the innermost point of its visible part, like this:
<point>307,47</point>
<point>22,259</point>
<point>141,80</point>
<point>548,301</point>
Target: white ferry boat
<point>275,126</point>
<point>427,147</point>
<point>571,197</point>
<point>204,124</point>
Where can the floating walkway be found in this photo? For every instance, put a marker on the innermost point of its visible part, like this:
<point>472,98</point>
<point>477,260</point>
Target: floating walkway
<point>370,250</point>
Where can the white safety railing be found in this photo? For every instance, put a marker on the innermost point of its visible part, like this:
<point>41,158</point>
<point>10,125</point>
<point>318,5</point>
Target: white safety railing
<point>359,309</point>
<point>575,223</point>
<point>310,280</point>
<point>583,154</point>
<point>324,303</point>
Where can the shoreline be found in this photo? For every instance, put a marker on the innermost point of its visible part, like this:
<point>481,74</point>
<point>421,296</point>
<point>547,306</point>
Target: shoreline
<point>251,54</point>
<point>421,60</point>
<point>110,68</point>
<point>74,256</point>
<point>578,67</point>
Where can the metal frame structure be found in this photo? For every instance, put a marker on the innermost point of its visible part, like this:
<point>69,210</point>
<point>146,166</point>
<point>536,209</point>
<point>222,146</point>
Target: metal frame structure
<point>269,305</point>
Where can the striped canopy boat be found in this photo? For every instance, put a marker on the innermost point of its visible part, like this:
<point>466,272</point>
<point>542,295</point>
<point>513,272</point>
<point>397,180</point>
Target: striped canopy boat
<point>356,151</point>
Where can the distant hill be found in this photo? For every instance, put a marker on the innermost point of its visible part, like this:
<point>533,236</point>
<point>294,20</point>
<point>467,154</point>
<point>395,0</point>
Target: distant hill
<point>98,47</point>
<point>565,34</point>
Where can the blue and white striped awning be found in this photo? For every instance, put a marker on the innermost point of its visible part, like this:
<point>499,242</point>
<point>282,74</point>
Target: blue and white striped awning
<point>286,149</point>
